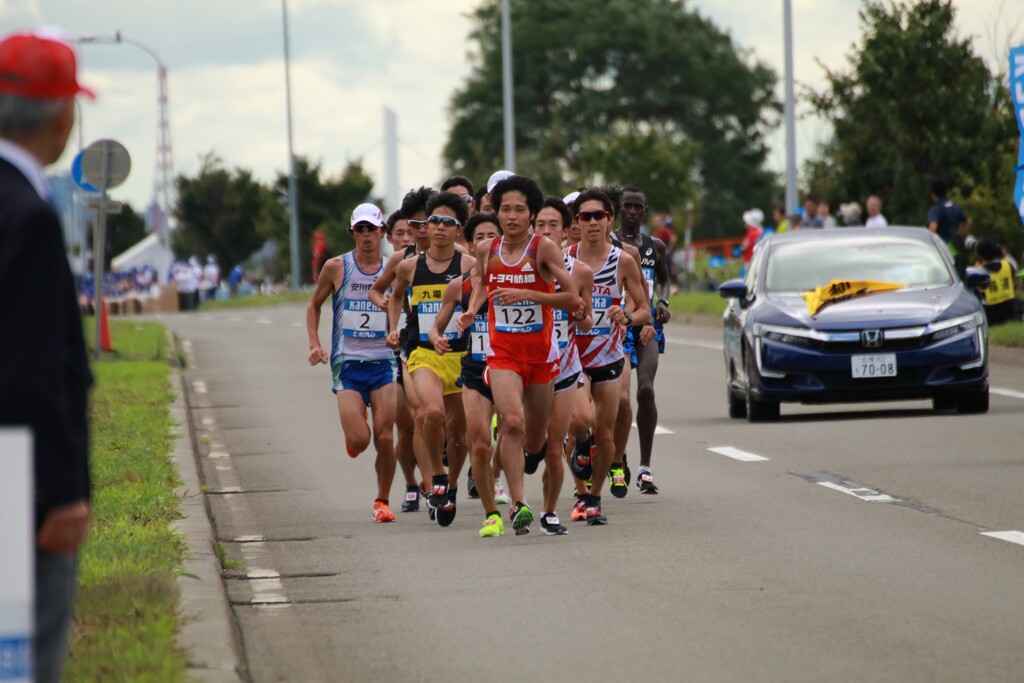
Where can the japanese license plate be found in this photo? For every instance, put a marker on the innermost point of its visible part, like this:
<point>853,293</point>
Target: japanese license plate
<point>881,365</point>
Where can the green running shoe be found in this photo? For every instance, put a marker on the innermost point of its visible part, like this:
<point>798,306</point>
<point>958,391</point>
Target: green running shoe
<point>618,487</point>
<point>493,526</point>
<point>522,517</point>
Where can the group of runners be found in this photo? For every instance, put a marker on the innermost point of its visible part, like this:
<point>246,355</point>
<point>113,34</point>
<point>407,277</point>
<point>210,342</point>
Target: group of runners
<point>500,328</point>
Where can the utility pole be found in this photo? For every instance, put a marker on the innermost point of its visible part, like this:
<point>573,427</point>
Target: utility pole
<point>506,87</point>
<point>790,113</point>
<point>293,192</point>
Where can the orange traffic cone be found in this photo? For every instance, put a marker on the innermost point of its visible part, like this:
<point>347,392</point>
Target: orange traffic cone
<point>104,328</point>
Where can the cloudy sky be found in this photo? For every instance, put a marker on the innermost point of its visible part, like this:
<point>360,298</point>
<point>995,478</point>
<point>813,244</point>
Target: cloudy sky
<point>352,58</point>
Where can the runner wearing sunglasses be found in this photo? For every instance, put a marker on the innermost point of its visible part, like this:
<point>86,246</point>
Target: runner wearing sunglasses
<point>517,273</point>
<point>601,347</point>
<point>436,377</point>
<point>410,451</point>
<point>362,366</point>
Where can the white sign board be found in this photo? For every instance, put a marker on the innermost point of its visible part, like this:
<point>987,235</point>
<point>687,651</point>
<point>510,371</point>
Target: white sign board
<point>17,527</point>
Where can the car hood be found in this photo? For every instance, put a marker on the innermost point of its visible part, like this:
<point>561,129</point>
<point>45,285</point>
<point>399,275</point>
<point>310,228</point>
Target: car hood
<point>902,308</point>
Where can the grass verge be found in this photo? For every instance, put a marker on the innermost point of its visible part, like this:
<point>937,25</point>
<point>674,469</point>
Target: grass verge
<point>256,301</point>
<point>126,615</point>
<point>697,303</point>
<point>130,339</point>
<point>1007,334</point>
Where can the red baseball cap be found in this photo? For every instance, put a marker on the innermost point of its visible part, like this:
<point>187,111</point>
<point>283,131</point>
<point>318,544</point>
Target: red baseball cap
<point>38,68</point>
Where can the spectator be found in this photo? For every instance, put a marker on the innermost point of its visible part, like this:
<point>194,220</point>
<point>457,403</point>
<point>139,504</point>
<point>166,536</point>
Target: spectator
<point>321,253</point>
<point>875,217</point>
<point>752,221</point>
<point>211,277</point>
<point>197,279</point>
<point>187,284</point>
<point>44,374</point>
<point>781,222</point>
<point>949,222</point>
<point>664,230</point>
<point>828,221</point>
<point>811,219</point>
<point>850,213</point>
<point>998,299</point>
<point>235,278</point>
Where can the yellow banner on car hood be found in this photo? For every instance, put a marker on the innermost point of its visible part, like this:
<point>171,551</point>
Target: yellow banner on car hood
<point>841,290</point>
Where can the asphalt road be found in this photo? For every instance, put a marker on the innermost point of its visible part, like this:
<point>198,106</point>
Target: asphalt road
<point>853,549</point>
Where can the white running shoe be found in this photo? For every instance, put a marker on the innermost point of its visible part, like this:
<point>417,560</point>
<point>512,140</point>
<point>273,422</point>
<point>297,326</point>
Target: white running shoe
<point>500,495</point>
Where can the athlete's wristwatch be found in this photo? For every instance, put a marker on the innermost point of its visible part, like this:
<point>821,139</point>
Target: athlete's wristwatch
<point>663,301</point>
<point>578,318</point>
<point>629,318</point>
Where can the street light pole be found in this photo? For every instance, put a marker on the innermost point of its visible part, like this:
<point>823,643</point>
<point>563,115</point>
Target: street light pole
<point>790,113</point>
<point>164,175</point>
<point>506,87</point>
<point>293,192</point>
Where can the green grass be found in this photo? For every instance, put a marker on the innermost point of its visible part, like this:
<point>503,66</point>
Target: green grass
<point>130,339</point>
<point>256,301</point>
<point>697,303</point>
<point>1007,334</point>
<point>126,614</point>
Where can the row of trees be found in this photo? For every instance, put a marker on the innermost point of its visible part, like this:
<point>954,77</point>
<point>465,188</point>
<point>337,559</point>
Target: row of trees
<point>230,214</point>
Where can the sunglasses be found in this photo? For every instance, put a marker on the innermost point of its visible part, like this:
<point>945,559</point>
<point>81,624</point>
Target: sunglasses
<point>361,228</point>
<point>446,221</point>
<point>468,198</point>
<point>417,224</point>
<point>587,216</point>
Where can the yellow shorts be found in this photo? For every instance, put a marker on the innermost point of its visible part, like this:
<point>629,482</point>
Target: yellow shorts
<point>447,367</point>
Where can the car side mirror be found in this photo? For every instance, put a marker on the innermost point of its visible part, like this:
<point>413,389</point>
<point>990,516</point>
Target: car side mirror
<point>733,289</point>
<point>977,278</point>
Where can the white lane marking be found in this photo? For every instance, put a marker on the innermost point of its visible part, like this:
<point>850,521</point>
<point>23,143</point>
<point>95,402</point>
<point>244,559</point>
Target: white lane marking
<point>209,422</point>
<point>234,319</point>
<point>219,454</point>
<point>264,321</point>
<point>199,386</point>
<point>714,346</point>
<point>257,573</point>
<point>737,454</point>
<point>223,468</point>
<point>249,539</point>
<point>1010,536</point>
<point>1007,392</point>
<point>298,324</point>
<point>228,490</point>
<point>658,429</point>
<point>865,494</point>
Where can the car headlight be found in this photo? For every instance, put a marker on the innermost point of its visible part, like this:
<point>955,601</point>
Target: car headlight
<point>796,336</point>
<point>947,328</point>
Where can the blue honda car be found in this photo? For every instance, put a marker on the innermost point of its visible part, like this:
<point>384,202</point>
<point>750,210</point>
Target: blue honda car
<point>833,316</point>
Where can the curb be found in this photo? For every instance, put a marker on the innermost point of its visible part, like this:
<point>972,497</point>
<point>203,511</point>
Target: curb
<point>207,633</point>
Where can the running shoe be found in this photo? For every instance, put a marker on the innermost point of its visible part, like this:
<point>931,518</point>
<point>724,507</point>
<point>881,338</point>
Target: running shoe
<point>618,487</point>
<point>382,513</point>
<point>494,429</point>
<point>446,514</point>
<point>438,492</point>
<point>582,459</point>
<point>500,495</point>
<point>431,514</point>
<point>493,526</point>
<point>532,462</point>
<point>550,526</point>
<point>645,484</point>
<point>579,510</point>
<point>471,485</point>
<point>412,500</point>
<point>625,469</point>
<point>594,514</point>
<point>522,517</point>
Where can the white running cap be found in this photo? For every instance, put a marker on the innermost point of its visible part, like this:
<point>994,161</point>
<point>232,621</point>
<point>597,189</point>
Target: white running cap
<point>496,178</point>
<point>570,198</point>
<point>367,213</point>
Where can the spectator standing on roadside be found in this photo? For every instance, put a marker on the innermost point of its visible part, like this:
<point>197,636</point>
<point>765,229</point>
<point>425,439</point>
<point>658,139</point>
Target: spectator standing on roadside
<point>875,217</point>
<point>810,218</point>
<point>949,222</point>
<point>850,213</point>
<point>44,374</point>
<point>211,276</point>
<point>235,278</point>
<point>752,221</point>
<point>779,216</point>
<point>828,221</point>
<point>999,303</point>
<point>320,254</point>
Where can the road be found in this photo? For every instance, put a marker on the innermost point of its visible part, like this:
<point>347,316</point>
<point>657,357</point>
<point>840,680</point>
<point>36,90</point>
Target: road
<point>846,542</point>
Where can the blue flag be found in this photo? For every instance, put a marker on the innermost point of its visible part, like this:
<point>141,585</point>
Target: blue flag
<point>1017,98</point>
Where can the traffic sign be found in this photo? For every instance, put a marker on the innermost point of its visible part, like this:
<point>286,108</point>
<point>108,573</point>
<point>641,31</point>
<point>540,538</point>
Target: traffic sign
<point>76,173</point>
<point>105,164</point>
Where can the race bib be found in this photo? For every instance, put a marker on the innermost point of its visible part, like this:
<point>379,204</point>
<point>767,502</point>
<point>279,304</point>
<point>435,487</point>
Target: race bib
<point>649,276</point>
<point>362,320</point>
<point>602,324</point>
<point>518,318</point>
<point>561,317</point>
<point>479,340</point>
<point>426,315</point>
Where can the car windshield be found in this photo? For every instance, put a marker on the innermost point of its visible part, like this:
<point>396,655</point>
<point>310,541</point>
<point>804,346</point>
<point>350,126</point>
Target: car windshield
<point>801,266</point>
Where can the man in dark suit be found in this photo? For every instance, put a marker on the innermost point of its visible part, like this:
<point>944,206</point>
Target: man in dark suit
<point>44,371</point>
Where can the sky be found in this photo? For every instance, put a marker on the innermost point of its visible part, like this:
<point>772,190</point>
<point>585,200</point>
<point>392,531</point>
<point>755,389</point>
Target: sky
<point>350,59</point>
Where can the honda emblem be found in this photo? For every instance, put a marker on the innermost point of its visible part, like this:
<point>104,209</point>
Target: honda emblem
<point>871,339</point>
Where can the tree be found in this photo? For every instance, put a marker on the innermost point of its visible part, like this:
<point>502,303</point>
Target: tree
<point>325,203</point>
<point>913,107</point>
<point>123,231</point>
<point>219,212</point>
<point>646,75</point>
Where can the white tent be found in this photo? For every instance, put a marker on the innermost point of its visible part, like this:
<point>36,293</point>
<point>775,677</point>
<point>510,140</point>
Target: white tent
<point>147,252</point>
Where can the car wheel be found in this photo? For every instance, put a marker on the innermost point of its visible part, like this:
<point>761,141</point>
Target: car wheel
<point>737,406</point>
<point>756,409</point>
<point>972,401</point>
<point>944,402</point>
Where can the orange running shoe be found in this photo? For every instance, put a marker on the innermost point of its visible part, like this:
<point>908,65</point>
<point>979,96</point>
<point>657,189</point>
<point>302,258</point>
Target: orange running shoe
<point>579,510</point>
<point>382,513</point>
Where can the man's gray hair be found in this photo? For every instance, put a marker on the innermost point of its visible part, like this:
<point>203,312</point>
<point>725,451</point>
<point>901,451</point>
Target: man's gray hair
<point>21,116</point>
